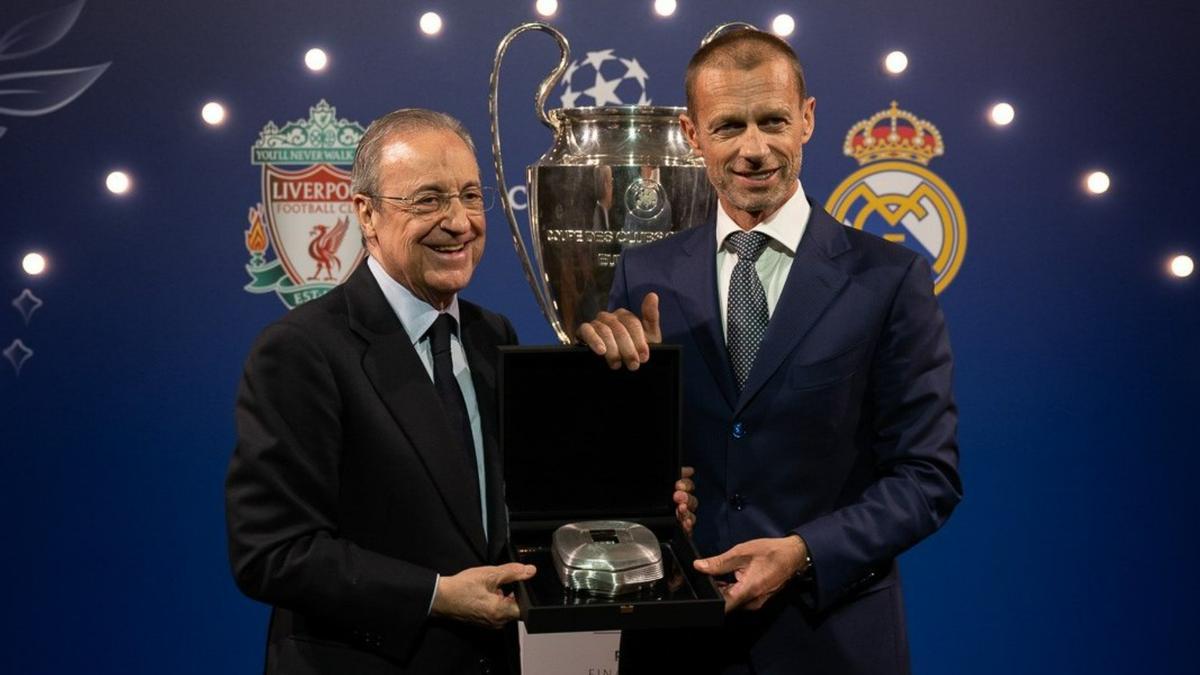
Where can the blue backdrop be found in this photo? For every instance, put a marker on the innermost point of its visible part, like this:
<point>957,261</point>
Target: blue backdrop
<point>1077,358</point>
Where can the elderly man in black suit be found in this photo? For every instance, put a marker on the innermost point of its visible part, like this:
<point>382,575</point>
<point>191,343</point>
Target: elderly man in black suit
<point>365,499</point>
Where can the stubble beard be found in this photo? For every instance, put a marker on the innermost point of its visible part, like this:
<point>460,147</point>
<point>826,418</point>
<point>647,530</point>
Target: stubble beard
<point>757,202</point>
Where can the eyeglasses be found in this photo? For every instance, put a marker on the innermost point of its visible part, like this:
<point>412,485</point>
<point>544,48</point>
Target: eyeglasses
<point>429,202</point>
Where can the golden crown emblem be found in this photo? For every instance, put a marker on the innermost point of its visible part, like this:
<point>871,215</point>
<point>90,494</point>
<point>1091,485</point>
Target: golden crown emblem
<point>894,134</point>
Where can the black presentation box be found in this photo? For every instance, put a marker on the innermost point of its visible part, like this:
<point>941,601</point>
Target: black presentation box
<point>584,442</point>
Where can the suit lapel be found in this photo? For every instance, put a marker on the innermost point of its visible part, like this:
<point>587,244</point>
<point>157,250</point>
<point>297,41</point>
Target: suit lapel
<point>696,269</point>
<point>812,284</point>
<point>481,360</point>
<point>402,383</point>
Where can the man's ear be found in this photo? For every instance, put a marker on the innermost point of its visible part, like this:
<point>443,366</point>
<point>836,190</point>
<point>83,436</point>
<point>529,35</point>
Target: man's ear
<point>808,111</point>
<point>364,209</point>
<point>689,131</point>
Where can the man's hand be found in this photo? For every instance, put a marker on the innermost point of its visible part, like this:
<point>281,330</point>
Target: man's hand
<point>474,595</point>
<point>685,501</point>
<point>621,337</point>
<point>761,568</point>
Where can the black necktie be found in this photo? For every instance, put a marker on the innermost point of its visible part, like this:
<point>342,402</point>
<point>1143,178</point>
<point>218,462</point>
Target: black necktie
<point>451,396</point>
<point>747,308</point>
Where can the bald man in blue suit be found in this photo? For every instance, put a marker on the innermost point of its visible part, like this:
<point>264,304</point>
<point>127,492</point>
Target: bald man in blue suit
<point>818,409</point>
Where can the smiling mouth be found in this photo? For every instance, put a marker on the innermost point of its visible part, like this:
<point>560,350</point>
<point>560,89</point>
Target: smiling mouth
<point>756,175</point>
<point>449,248</point>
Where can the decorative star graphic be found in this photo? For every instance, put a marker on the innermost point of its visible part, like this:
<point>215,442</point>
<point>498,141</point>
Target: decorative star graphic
<point>570,72</point>
<point>568,97</point>
<point>634,69</point>
<point>594,59</point>
<point>27,303</point>
<point>17,354</point>
<point>643,100</point>
<point>604,90</point>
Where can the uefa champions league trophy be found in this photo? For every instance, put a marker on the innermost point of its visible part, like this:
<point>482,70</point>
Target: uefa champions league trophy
<point>614,177</point>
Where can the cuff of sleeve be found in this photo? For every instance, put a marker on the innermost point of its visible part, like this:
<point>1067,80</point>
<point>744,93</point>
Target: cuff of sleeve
<point>433,596</point>
<point>807,572</point>
<point>826,584</point>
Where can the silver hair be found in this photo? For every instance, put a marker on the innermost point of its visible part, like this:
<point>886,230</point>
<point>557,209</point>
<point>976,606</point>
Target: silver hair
<point>364,176</point>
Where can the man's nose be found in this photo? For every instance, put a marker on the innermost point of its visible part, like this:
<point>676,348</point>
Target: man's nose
<point>455,217</point>
<point>754,144</point>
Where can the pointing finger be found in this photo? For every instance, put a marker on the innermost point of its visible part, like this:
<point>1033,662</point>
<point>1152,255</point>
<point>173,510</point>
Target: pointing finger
<point>719,564</point>
<point>650,318</point>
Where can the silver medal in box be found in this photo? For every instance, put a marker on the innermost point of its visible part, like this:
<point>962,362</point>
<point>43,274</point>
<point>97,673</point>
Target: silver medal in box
<point>607,557</point>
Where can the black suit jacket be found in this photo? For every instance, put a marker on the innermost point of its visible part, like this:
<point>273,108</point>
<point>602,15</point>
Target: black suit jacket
<point>345,495</point>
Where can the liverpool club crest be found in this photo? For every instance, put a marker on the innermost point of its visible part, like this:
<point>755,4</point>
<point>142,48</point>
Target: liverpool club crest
<point>306,213</point>
<point>895,196</point>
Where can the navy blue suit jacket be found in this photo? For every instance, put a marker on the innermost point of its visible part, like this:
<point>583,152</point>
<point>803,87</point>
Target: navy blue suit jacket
<point>844,434</point>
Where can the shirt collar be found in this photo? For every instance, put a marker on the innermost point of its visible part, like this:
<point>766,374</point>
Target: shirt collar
<point>785,226</point>
<point>415,314</point>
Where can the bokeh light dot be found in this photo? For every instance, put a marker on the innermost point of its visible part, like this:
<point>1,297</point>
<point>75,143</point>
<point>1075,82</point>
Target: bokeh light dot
<point>546,7</point>
<point>33,264</point>
<point>896,62</point>
<point>1182,266</point>
<point>213,113</point>
<point>316,59</point>
<point>1003,114</point>
<point>783,25</point>
<point>1098,182</point>
<point>431,23</point>
<point>664,7</point>
<point>118,182</point>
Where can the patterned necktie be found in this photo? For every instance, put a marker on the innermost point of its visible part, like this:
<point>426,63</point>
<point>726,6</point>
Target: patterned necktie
<point>747,308</point>
<point>451,395</point>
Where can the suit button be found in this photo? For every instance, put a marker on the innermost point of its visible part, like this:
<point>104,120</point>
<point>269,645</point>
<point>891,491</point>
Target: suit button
<point>485,666</point>
<point>737,501</point>
<point>739,430</point>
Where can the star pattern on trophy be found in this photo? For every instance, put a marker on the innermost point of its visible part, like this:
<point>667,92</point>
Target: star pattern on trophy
<point>597,59</point>
<point>603,91</point>
<point>17,354</point>
<point>614,81</point>
<point>27,303</point>
<point>569,97</point>
<point>634,69</point>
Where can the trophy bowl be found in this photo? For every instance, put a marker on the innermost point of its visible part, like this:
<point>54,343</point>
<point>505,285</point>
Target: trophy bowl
<point>613,177</point>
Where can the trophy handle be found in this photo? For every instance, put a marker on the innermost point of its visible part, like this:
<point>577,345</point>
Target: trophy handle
<point>708,37</point>
<point>536,282</point>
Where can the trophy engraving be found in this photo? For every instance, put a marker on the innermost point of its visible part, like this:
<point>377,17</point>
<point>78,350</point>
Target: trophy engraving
<point>614,177</point>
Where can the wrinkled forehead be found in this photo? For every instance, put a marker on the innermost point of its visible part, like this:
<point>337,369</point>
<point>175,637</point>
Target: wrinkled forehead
<point>426,146</point>
<point>768,85</point>
<point>434,158</point>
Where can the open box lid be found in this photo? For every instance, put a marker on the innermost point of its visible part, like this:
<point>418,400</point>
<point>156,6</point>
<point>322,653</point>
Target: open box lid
<point>582,441</point>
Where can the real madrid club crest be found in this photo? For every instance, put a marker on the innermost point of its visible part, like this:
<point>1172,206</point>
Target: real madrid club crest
<point>306,212</point>
<point>895,196</point>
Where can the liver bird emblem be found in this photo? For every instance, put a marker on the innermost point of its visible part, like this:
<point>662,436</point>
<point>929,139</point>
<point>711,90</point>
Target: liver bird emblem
<point>324,247</point>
